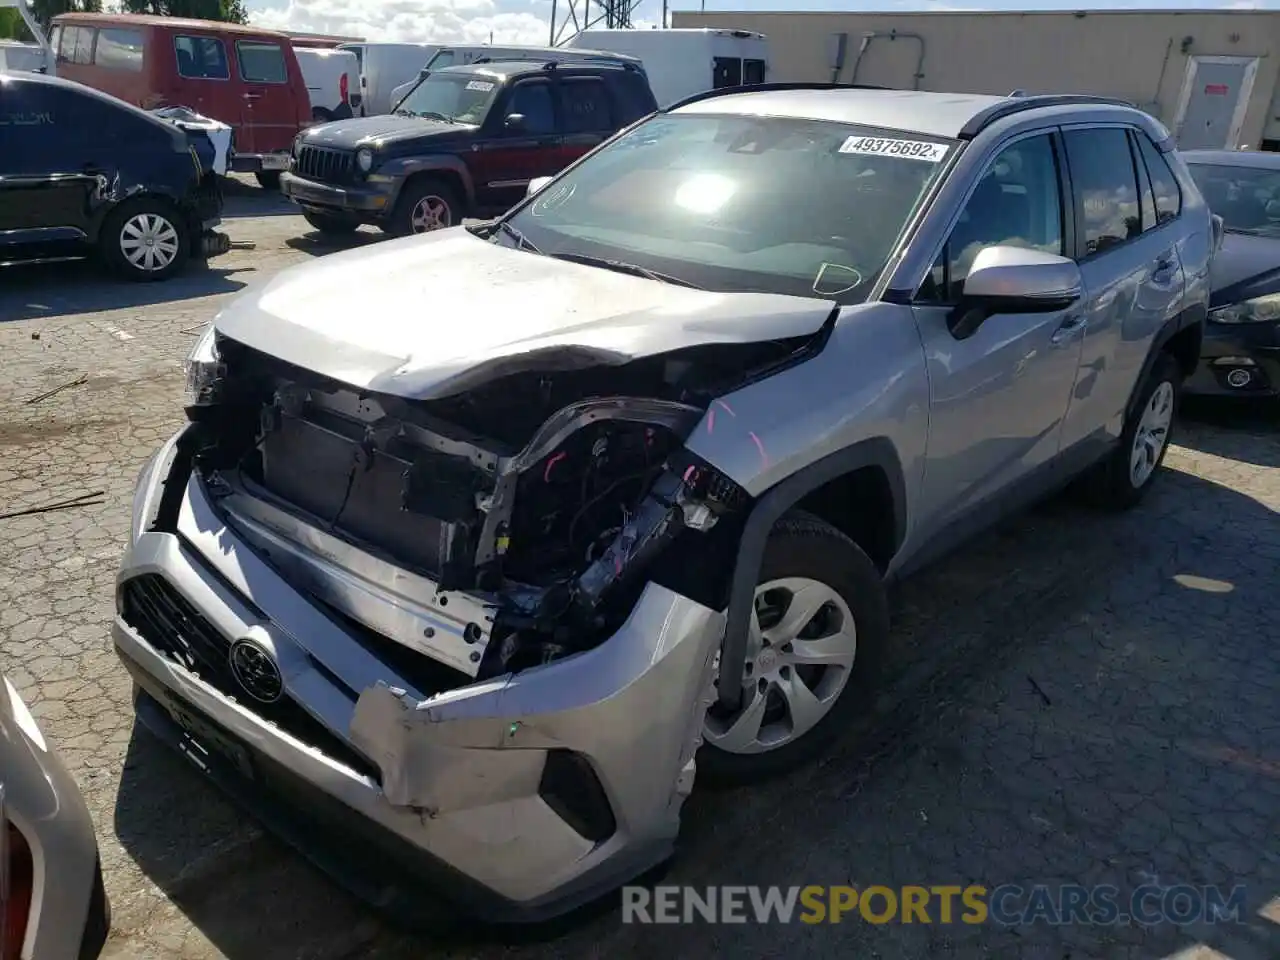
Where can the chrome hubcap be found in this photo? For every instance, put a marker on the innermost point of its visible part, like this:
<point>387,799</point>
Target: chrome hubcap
<point>800,650</point>
<point>149,242</point>
<point>1152,435</point>
<point>430,213</point>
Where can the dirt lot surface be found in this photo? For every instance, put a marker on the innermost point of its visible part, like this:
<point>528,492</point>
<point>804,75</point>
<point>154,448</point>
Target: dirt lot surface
<point>1075,698</point>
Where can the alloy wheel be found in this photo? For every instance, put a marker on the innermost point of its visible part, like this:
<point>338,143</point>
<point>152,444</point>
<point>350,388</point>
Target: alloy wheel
<point>149,242</point>
<point>1152,435</point>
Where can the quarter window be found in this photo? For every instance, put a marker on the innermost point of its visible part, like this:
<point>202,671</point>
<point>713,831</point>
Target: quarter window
<point>1017,203</point>
<point>261,62</point>
<point>201,58</point>
<point>726,72</point>
<point>1106,188</point>
<point>119,49</point>
<point>586,106</point>
<point>1164,185</point>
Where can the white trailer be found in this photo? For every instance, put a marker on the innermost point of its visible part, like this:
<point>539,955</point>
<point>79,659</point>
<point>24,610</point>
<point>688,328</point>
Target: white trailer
<point>683,61</point>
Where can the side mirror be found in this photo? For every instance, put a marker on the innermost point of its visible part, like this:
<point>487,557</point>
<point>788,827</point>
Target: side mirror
<point>536,184</point>
<point>1014,280</point>
<point>514,122</point>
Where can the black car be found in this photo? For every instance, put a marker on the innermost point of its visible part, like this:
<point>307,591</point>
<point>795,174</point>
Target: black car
<point>94,175</point>
<point>1241,353</point>
<point>465,142</point>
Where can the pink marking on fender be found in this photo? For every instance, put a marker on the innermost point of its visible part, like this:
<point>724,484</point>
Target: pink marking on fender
<point>759,446</point>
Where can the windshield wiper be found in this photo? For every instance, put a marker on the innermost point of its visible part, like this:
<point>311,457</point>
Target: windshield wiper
<point>620,266</point>
<point>521,240</point>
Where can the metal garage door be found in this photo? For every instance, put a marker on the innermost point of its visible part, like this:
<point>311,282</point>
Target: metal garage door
<point>1213,102</point>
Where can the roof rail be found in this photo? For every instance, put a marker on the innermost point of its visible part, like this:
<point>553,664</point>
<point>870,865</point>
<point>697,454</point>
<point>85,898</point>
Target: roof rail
<point>550,62</point>
<point>768,88</point>
<point>1017,102</point>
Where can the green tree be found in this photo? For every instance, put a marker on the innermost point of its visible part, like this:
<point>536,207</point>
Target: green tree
<point>46,10</point>
<point>11,25</point>
<point>230,11</point>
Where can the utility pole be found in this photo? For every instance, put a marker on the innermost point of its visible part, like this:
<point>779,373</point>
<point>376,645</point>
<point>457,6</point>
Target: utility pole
<point>571,17</point>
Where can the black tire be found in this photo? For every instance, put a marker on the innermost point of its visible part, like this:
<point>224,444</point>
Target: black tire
<point>330,223</point>
<point>122,227</point>
<point>268,179</point>
<point>400,224</point>
<point>801,545</point>
<point>1110,484</point>
<point>321,115</point>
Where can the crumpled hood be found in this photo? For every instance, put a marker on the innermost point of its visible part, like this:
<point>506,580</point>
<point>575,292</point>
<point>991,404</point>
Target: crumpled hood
<point>434,315</point>
<point>378,132</point>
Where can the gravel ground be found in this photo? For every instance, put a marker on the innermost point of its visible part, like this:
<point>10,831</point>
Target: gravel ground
<point>1074,698</point>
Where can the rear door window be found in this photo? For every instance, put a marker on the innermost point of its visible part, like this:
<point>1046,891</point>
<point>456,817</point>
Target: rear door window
<point>586,105</point>
<point>261,62</point>
<point>1106,188</point>
<point>76,45</point>
<point>119,49</point>
<point>752,71</point>
<point>201,58</point>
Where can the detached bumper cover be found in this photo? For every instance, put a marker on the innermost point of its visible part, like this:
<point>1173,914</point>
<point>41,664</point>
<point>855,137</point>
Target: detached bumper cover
<point>518,798</point>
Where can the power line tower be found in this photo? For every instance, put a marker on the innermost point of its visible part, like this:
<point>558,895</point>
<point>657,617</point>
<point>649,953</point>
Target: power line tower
<point>571,17</point>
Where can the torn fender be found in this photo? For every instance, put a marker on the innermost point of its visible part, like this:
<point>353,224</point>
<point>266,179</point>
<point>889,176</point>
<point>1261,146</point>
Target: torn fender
<point>633,707</point>
<point>434,315</point>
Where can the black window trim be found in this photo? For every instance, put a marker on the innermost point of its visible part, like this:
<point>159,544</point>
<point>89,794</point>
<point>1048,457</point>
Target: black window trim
<point>200,36</point>
<point>610,99</point>
<point>1081,256</point>
<point>265,43</point>
<point>1066,212</point>
<point>1135,143</point>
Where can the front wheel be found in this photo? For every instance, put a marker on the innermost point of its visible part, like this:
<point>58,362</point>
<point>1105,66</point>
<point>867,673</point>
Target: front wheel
<point>425,206</point>
<point>1121,481</point>
<point>268,179</point>
<point>330,223</point>
<point>817,636</point>
<point>145,239</point>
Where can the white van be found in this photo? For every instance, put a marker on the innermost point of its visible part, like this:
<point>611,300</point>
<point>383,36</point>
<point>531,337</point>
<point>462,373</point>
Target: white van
<point>457,55</point>
<point>333,82</point>
<point>683,61</point>
<point>383,67</point>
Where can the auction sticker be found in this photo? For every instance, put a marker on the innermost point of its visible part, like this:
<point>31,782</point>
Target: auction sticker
<point>885,147</point>
<point>484,86</point>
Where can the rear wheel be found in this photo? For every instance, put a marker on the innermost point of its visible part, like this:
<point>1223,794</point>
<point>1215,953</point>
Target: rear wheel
<point>1121,481</point>
<point>320,115</point>
<point>818,632</point>
<point>424,206</point>
<point>268,179</point>
<point>330,223</point>
<point>145,239</point>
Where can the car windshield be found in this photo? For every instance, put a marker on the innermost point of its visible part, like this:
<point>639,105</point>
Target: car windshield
<point>742,203</point>
<point>460,97</point>
<point>1247,198</point>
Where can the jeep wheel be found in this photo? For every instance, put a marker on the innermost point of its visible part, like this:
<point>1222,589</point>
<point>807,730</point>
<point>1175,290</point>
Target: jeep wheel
<point>1120,481</point>
<point>145,239</point>
<point>330,223</point>
<point>817,635</point>
<point>268,179</point>
<point>424,206</point>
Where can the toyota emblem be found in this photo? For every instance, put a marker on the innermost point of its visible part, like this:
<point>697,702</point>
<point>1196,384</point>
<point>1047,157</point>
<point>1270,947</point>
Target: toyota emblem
<point>256,670</point>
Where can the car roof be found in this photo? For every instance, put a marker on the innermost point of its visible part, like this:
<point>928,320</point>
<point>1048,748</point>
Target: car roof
<point>1257,159</point>
<point>950,115</point>
<point>125,20</point>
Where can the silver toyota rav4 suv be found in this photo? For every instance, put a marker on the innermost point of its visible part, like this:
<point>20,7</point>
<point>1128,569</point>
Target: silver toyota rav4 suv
<point>479,544</point>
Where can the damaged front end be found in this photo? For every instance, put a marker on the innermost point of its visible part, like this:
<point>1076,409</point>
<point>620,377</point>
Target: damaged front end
<point>496,612</point>
<point>505,527</point>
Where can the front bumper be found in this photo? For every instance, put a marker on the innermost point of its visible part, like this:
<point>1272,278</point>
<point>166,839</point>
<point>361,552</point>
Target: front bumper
<point>478,793</point>
<point>370,201</point>
<point>1238,360</point>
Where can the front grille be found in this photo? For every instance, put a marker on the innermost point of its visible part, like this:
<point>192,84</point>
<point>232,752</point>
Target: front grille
<point>168,621</point>
<point>325,164</point>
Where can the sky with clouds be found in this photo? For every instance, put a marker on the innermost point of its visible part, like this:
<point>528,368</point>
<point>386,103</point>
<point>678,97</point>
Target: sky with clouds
<point>526,21</point>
